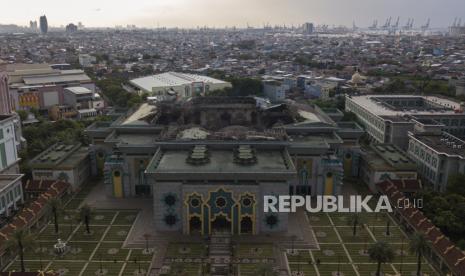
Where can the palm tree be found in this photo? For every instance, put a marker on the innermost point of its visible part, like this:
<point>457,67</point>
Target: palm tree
<point>381,252</point>
<point>419,245</point>
<point>21,240</point>
<point>56,208</point>
<point>85,214</point>
<point>354,220</point>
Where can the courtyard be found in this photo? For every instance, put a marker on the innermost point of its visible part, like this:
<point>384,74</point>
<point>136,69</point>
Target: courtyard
<point>99,253</point>
<point>102,252</point>
<point>342,252</point>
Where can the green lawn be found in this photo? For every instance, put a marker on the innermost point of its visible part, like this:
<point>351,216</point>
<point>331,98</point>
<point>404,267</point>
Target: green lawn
<point>87,252</point>
<point>339,248</point>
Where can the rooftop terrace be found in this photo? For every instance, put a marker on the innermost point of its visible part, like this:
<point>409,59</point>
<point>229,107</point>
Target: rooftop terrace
<point>388,157</point>
<point>60,155</point>
<point>203,161</point>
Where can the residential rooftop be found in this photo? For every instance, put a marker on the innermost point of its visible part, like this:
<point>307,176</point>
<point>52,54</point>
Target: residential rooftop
<point>78,90</point>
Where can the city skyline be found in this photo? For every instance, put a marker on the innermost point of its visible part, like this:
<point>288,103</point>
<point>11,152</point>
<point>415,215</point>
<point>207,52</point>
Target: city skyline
<point>188,13</point>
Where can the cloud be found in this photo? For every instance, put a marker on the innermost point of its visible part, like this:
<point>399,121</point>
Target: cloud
<point>191,13</point>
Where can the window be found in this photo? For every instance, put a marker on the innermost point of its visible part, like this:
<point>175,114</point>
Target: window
<point>195,202</point>
<point>246,202</point>
<point>271,221</point>
<point>170,200</point>
<point>186,91</point>
<point>220,202</point>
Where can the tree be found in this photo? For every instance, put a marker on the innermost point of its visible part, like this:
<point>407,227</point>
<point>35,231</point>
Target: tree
<point>381,252</point>
<point>22,114</point>
<point>85,215</point>
<point>56,207</point>
<point>448,222</point>
<point>246,86</point>
<point>455,184</point>
<point>354,220</point>
<point>21,240</point>
<point>419,245</point>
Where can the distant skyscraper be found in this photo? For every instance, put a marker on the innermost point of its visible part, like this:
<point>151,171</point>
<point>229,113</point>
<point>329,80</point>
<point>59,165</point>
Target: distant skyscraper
<point>308,28</point>
<point>5,103</point>
<point>71,28</point>
<point>43,24</point>
<point>33,25</point>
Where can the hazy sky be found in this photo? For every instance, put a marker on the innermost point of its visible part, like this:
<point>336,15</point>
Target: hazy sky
<point>191,13</point>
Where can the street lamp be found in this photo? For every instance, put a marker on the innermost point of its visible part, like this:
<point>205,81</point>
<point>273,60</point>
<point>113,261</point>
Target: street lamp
<point>40,256</point>
<point>100,265</point>
<point>401,255</point>
<point>293,238</point>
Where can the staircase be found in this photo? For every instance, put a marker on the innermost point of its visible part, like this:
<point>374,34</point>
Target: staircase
<point>220,253</point>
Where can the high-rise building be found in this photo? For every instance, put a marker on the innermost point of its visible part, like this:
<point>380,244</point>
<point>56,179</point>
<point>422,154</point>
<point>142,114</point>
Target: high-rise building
<point>5,102</point>
<point>43,24</point>
<point>71,28</point>
<point>308,28</point>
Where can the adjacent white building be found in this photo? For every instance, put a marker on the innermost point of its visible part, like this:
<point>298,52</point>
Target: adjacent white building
<point>9,143</point>
<point>11,193</point>
<point>438,155</point>
<point>388,118</point>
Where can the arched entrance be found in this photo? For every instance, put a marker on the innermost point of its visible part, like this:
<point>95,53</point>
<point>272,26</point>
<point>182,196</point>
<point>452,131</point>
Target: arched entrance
<point>195,225</point>
<point>246,225</point>
<point>221,224</point>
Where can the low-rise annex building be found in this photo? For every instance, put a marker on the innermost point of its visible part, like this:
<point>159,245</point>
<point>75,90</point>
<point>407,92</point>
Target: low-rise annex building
<point>69,163</point>
<point>385,161</point>
<point>387,118</point>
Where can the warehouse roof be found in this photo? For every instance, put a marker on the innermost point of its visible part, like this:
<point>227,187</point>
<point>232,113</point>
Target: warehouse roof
<point>170,79</point>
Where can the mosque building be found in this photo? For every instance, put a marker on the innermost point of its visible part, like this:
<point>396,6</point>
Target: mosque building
<point>207,162</point>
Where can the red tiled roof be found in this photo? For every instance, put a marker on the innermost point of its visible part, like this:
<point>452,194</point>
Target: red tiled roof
<point>38,185</point>
<point>452,255</point>
<point>33,209</point>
